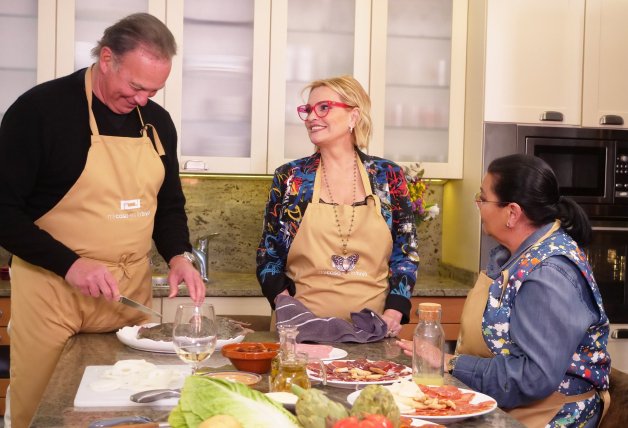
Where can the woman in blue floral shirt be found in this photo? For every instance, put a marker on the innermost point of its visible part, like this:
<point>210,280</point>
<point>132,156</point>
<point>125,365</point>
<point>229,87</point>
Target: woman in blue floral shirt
<point>533,329</point>
<point>339,231</point>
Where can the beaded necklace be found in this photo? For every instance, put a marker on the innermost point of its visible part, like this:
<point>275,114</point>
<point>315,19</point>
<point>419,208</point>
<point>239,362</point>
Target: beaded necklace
<point>343,263</point>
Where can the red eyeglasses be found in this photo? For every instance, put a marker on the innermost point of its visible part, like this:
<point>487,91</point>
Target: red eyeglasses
<point>321,108</point>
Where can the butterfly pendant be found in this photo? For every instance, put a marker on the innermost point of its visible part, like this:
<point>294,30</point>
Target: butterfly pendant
<point>345,264</point>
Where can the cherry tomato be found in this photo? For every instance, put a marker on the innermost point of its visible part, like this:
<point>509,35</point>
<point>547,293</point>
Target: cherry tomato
<point>350,422</point>
<point>375,421</point>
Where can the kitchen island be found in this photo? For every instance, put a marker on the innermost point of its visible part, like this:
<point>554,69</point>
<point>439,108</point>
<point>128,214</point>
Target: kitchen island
<point>57,410</point>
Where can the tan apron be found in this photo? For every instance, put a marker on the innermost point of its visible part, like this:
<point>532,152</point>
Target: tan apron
<point>321,285</point>
<point>471,342</point>
<point>113,202</point>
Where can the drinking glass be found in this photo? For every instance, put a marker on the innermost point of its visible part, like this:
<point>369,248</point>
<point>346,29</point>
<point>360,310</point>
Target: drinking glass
<point>194,333</point>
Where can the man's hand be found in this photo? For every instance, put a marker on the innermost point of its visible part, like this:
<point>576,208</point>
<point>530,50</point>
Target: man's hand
<point>181,270</point>
<point>92,278</point>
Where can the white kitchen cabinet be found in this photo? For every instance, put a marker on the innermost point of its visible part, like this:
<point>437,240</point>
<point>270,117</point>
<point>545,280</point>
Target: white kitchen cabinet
<point>237,79</point>
<point>410,56</point>
<point>556,62</point>
<point>605,85</point>
<point>418,65</point>
<point>310,40</point>
<point>534,59</point>
<point>27,48</point>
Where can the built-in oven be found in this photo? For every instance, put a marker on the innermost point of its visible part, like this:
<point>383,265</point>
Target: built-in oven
<point>608,254</point>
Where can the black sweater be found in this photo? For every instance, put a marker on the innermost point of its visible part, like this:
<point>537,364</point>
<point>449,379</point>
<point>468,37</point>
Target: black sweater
<point>44,140</point>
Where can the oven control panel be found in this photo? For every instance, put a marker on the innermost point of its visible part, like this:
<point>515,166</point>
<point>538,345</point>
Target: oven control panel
<point>621,172</point>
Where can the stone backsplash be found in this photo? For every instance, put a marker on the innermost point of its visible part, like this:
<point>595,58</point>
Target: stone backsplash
<point>233,206</point>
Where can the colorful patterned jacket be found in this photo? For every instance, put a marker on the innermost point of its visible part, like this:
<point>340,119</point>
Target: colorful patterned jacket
<point>290,193</point>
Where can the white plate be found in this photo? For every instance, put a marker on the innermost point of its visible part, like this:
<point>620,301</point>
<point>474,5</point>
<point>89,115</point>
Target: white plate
<point>287,399</point>
<point>406,374</point>
<point>479,397</point>
<point>336,354</point>
<point>128,336</point>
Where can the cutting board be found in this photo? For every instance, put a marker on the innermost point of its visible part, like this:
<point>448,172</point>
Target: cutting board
<point>87,397</point>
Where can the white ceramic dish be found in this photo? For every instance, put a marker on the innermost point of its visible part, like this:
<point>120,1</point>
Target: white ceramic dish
<point>336,354</point>
<point>406,374</point>
<point>478,397</point>
<point>288,399</point>
<point>128,336</point>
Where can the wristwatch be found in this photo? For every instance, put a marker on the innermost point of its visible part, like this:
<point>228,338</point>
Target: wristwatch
<point>188,256</point>
<point>451,365</point>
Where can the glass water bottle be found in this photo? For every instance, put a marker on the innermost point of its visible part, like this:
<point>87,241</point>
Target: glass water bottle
<point>428,354</point>
<point>287,346</point>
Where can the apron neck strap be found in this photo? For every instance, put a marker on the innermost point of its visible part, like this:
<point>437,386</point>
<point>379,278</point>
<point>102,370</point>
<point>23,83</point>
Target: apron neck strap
<point>88,92</point>
<point>506,274</point>
<point>363,176</point>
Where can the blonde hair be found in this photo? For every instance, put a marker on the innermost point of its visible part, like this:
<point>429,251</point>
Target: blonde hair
<point>352,93</point>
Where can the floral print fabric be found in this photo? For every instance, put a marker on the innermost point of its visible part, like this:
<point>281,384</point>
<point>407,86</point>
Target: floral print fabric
<point>590,361</point>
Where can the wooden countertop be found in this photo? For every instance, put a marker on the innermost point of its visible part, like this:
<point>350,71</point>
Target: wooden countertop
<point>57,410</point>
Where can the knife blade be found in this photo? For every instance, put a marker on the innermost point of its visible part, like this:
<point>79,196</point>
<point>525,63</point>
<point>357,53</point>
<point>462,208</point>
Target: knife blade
<point>139,306</point>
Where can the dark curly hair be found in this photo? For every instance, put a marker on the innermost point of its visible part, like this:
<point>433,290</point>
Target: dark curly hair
<point>530,182</point>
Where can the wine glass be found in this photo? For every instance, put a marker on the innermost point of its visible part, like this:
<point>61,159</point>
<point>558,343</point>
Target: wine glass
<point>194,333</point>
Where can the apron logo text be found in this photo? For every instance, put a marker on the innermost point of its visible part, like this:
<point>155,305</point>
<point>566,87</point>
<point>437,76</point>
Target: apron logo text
<point>130,204</point>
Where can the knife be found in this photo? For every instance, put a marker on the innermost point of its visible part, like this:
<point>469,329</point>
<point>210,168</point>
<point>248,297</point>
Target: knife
<point>139,306</point>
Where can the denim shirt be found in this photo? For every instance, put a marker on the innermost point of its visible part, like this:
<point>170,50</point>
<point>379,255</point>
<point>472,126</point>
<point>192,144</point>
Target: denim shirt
<point>550,315</point>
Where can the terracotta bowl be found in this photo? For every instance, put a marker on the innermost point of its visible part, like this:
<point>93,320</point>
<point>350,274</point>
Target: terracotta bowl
<point>251,356</point>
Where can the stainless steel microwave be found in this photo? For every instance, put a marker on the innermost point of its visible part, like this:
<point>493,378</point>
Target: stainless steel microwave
<point>591,164</point>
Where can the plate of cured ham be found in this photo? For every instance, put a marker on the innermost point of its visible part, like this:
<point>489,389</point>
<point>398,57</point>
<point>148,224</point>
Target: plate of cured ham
<point>361,372</point>
<point>441,404</point>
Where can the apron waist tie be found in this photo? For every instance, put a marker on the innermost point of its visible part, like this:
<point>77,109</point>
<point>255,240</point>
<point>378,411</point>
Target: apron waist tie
<point>123,265</point>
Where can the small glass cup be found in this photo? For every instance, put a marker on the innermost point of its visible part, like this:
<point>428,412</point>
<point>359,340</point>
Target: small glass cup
<point>293,370</point>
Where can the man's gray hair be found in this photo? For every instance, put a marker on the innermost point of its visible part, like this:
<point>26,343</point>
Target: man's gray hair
<point>138,29</point>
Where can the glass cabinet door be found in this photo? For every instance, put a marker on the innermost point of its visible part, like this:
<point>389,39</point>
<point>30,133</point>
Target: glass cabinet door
<point>81,24</point>
<point>23,26</point>
<point>312,40</point>
<point>92,18</point>
<point>222,43</point>
<point>414,78</point>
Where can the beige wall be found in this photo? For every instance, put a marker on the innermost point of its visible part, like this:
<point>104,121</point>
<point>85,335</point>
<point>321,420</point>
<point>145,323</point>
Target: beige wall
<point>461,220</point>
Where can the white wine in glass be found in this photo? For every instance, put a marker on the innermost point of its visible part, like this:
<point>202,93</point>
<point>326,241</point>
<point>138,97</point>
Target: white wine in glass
<point>194,333</point>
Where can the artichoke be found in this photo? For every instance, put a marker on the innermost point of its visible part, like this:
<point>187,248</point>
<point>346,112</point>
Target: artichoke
<point>376,400</point>
<point>315,410</point>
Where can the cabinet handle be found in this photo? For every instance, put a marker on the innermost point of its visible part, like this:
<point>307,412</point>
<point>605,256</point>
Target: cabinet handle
<point>195,165</point>
<point>611,119</point>
<point>551,116</point>
<point>1,313</point>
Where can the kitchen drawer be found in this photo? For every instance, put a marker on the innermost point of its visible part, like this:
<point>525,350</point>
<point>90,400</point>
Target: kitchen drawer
<point>451,308</point>
<point>5,311</point>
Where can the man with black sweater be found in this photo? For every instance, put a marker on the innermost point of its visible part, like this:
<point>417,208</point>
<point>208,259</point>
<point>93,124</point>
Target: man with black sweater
<point>88,175</point>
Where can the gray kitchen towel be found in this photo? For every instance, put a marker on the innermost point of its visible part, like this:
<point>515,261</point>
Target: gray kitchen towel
<point>367,326</point>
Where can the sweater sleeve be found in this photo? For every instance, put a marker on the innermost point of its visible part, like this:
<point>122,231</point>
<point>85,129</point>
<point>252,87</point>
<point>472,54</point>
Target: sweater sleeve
<point>27,183</point>
<point>545,334</point>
